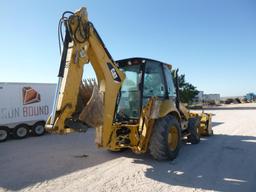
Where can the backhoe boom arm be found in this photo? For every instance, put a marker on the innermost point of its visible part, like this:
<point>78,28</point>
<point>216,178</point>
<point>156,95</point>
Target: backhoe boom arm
<point>82,45</point>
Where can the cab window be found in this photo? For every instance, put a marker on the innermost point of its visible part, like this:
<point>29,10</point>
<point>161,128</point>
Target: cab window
<point>153,80</point>
<point>169,80</point>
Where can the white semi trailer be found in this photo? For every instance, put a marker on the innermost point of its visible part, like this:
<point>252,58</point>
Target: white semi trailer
<point>24,108</point>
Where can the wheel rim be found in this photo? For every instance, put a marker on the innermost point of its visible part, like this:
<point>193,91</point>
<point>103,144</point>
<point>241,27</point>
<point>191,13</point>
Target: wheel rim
<point>22,132</point>
<point>39,129</point>
<point>173,138</point>
<point>3,135</point>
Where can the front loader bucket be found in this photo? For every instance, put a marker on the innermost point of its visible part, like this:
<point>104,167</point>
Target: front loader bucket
<point>206,124</point>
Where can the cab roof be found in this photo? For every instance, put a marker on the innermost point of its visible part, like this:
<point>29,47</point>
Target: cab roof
<point>138,60</point>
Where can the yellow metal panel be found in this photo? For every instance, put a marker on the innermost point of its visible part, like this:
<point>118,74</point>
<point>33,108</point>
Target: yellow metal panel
<point>168,106</point>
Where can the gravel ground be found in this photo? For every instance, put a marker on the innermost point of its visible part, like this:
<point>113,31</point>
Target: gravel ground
<point>224,162</point>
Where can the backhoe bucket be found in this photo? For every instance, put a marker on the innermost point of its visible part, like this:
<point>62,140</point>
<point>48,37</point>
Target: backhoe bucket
<point>92,113</point>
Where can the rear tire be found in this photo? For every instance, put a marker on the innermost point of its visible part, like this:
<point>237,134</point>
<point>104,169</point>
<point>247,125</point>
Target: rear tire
<point>38,129</point>
<point>165,139</point>
<point>4,134</point>
<point>21,131</point>
<point>193,128</point>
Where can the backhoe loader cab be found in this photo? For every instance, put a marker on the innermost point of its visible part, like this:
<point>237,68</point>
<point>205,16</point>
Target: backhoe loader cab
<point>145,78</point>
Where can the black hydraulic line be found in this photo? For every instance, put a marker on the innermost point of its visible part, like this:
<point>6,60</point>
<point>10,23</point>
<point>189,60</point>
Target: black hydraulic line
<point>67,40</point>
<point>67,12</point>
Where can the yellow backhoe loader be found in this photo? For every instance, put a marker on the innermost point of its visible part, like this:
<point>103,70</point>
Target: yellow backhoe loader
<point>139,102</point>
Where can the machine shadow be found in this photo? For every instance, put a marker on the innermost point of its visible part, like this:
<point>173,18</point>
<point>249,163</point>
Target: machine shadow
<point>38,159</point>
<point>220,163</point>
<point>215,124</point>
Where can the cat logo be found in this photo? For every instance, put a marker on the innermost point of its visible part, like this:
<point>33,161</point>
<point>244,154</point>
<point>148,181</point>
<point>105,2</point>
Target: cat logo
<point>115,75</point>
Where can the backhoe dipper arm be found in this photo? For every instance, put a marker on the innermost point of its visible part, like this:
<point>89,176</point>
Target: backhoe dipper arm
<point>82,45</point>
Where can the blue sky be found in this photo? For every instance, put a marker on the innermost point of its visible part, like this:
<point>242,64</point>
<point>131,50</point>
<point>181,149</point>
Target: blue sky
<point>213,42</point>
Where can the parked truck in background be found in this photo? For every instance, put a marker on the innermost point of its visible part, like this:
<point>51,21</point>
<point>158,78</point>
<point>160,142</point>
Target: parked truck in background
<point>24,108</point>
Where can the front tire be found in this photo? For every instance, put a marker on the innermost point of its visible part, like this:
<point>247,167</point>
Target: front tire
<point>166,139</point>
<point>193,128</point>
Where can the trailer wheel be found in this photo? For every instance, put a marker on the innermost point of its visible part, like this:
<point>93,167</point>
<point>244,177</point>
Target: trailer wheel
<point>38,129</point>
<point>166,139</point>
<point>21,131</point>
<point>193,128</point>
<point>4,134</point>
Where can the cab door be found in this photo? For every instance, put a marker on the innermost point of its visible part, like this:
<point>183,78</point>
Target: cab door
<point>154,82</point>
